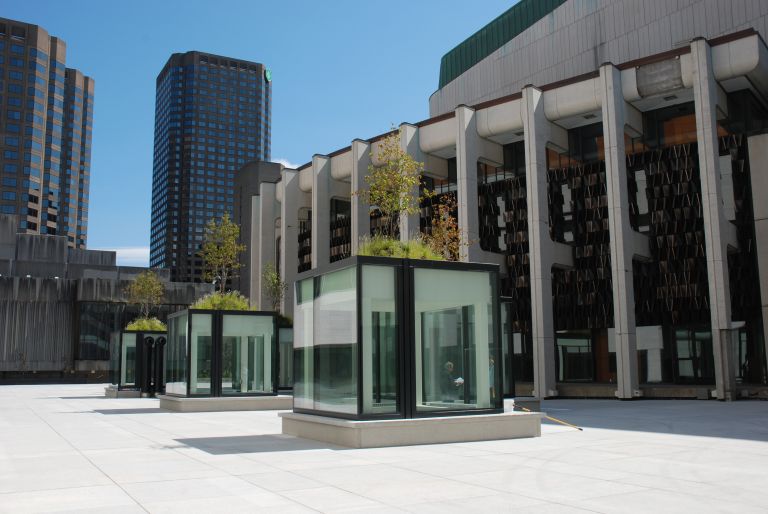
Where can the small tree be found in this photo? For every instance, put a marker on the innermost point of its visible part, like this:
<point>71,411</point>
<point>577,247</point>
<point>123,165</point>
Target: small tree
<point>273,286</point>
<point>221,251</point>
<point>391,185</point>
<point>445,237</point>
<point>146,291</point>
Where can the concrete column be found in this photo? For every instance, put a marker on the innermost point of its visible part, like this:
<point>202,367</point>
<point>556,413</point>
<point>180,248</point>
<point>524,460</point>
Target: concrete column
<point>321,210</point>
<point>758,161</point>
<point>409,142</point>
<point>268,214</point>
<point>289,234</point>
<point>542,249</point>
<point>620,231</point>
<point>467,154</point>
<point>360,210</point>
<point>716,227</point>
<point>248,276</point>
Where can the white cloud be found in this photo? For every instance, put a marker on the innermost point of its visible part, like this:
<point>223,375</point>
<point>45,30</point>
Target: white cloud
<point>287,163</point>
<point>131,255</point>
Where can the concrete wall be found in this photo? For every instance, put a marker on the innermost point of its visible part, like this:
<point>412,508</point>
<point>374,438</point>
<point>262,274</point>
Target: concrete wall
<point>580,35</point>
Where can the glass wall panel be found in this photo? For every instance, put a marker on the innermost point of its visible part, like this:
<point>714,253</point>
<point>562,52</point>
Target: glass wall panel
<point>652,356</point>
<point>695,360</point>
<point>114,358</point>
<point>574,356</point>
<point>454,340</point>
<point>335,342</point>
<point>128,360</point>
<point>285,375</point>
<point>201,351</point>
<point>303,386</point>
<point>247,347</point>
<point>379,344</point>
<point>176,356</point>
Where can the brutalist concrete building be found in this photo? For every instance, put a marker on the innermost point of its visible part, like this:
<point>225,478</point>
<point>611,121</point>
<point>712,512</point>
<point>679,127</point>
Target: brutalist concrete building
<point>611,156</point>
<point>59,305</point>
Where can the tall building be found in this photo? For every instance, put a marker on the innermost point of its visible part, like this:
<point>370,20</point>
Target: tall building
<point>611,157</point>
<point>212,115</point>
<point>46,122</point>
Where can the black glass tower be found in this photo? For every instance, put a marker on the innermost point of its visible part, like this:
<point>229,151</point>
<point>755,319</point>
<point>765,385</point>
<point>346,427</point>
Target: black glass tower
<point>46,121</point>
<point>212,115</point>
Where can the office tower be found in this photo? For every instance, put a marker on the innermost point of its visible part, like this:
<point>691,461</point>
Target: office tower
<point>212,115</point>
<point>46,122</point>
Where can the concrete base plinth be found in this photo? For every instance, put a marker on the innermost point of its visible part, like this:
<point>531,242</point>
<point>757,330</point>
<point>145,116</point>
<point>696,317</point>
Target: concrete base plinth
<point>113,392</point>
<point>223,403</point>
<point>405,432</point>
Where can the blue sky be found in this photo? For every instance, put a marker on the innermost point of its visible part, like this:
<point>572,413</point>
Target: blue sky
<point>341,69</point>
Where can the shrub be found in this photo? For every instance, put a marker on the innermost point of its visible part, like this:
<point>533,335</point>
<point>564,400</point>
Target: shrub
<point>231,301</point>
<point>380,246</point>
<point>146,325</point>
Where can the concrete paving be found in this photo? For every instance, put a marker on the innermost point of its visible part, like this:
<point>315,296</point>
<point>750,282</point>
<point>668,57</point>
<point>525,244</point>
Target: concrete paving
<point>67,448</point>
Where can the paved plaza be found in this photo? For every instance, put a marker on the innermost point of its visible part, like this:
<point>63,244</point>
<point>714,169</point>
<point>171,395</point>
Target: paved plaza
<point>66,448</point>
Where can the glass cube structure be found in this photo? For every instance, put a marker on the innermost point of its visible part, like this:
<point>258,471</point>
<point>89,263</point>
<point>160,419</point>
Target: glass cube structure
<point>222,353</point>
<point>136,360</point>
<point>397,338</point>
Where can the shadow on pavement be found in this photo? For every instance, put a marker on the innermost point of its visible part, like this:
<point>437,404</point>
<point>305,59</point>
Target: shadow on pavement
<point>732,420</point>
<point>255,444</point>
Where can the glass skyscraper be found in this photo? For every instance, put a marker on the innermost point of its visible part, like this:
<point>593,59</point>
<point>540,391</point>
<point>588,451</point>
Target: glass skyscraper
<point>212,115</point>
<point>46,121</point>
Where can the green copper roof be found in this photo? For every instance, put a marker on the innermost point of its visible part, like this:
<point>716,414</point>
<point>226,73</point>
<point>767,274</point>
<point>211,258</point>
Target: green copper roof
<point>493,36</point>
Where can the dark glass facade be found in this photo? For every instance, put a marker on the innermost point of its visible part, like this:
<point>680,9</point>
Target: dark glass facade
<point>212,115</point>
<point>46,120</point>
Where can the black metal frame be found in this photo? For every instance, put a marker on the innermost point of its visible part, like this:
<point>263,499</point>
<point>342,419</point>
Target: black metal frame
<point>405,348</point>
<point>217,326</point>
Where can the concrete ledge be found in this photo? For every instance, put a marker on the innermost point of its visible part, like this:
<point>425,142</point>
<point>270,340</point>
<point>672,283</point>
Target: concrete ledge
<point>113,392</point>
<point>404,432</point>
<point>226,403</point>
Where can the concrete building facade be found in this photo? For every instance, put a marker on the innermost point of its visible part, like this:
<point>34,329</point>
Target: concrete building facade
<point>46,122</point>
<point>623,205</point>
<point>59,306</point>
<point>212,116</point>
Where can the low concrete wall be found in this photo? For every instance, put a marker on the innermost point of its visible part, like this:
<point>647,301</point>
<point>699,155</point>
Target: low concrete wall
<point>404,432</point>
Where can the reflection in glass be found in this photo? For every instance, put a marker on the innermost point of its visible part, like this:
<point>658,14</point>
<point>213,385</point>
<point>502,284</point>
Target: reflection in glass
<point>303,389</point>
<point>247,346</point>
<point>200,350</point>
<point>285,375</point>
<point>379,343</point>
<point>335,342</point>
<point>695,360</point>
<point>128,360</point>
<point>176,356</point>
<point>455,346</point>
<point>574,359</point>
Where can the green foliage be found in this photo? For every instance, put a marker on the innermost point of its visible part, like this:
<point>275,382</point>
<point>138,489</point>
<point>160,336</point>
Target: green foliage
<point>380,246</point>
<point>231,301</point>
<point>273,286</point>
<point>146,291</point>
<point>221,251</point>
<point>444,237</point>
<point>391,185</point>
<point>147,325</point>
<point>284,321</point>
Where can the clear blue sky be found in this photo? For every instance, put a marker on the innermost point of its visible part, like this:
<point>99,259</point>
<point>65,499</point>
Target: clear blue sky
<point>341,70</point>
